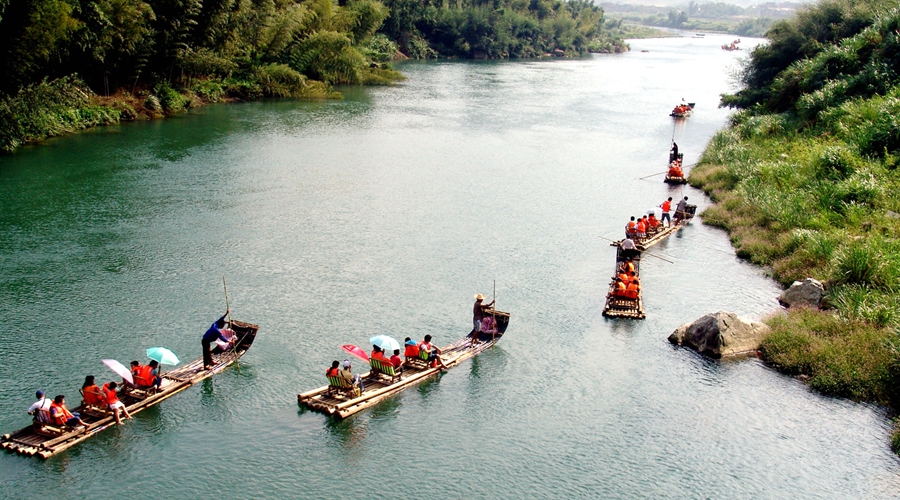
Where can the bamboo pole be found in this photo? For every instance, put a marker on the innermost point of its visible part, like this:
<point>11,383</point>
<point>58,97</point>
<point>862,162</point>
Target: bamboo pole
<point>233,335</point>
<point>494,315</point>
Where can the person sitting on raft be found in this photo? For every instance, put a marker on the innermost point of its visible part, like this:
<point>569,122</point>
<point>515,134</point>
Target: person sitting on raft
<point>40,408</point>
<point>353,379</point>
<point>434,353</point>
<point>143,375</point>
<point>378,353</point>
<point>412,349</point>
<point>61,416</point>
<point>631,228</point>
<point>675,170</point>
<point>641,230</point>
<point>91,394</point>
<point>396,361</point>
<point>652,223</point>
<point>334,370</point>
<point>113,403</point>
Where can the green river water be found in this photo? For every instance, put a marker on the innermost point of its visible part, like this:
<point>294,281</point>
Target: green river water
<point>385,213</point>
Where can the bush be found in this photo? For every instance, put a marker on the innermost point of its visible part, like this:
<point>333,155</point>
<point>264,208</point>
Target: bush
<point>841,358</point>
<point>170,99</point>
<point>48,109</point>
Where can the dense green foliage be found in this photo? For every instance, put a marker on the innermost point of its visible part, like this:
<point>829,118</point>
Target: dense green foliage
<point>497,28</point>
<point>806,182</point>
<point>115,44</point>
<point>46,109</point>
<point>146,58</point>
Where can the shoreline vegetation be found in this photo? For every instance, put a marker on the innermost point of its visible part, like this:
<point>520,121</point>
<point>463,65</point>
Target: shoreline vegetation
<point>805,181</point>
<point>76,64</point>
<point>709,17</point>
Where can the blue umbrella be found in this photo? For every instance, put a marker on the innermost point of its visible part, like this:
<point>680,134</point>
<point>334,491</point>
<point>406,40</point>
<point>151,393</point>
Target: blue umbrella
<point>385,342</point>
<point>163,355</point>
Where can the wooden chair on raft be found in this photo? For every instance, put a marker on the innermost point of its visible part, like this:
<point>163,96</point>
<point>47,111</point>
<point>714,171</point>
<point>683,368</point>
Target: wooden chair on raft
<point>41,425</point>
<point>94,404</point>
<point>420,360</point>
<point>340,385</point>
<point>384,368</point>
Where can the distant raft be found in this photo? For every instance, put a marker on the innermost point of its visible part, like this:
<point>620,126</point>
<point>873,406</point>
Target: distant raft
<point>683,110</point>
<point>618,306</point>
<point>45,440</point>
<point>342,401</point>
<point>675,175</point>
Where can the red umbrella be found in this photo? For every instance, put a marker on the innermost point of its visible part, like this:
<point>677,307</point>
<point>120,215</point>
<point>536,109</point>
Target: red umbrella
<point>356,351</point>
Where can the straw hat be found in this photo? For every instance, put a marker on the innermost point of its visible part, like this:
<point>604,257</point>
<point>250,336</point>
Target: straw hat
<point>479,297</point>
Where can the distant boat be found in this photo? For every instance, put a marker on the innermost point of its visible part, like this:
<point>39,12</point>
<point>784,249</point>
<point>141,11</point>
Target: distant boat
<point>683,110</point>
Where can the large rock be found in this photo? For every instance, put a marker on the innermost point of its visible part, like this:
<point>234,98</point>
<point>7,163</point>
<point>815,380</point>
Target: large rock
<point>806,293</point>
<point>720,334</point>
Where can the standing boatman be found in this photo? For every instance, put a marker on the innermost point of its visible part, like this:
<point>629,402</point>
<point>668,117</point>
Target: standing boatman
<point>214,333</point>
<point>478,315</point>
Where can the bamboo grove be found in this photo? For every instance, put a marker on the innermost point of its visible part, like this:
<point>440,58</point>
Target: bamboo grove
<point>71,64</point>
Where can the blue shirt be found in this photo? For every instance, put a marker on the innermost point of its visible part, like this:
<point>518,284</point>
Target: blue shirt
<point>213,333</point>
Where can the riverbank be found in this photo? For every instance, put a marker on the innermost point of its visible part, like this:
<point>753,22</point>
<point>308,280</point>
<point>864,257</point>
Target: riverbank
<point>66,105</point>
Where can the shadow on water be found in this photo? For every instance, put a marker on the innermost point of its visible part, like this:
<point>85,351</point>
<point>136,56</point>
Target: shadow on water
<point>349,432</point>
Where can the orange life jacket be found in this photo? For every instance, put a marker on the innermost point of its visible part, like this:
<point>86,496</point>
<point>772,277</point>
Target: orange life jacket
<point>632,291</point>
<point>620,289</point>
<point>61,415</point>
<point>630,226</point>
<point>143,376</point>
<point>641,226</point>
<point>653,221</point>
<point>629,267</point>
<point>412,351</point>
<point>331,372</point>
<point>666,206</point>
<point>111,396</point>
<point>92,395</point>
<point>624,277</point>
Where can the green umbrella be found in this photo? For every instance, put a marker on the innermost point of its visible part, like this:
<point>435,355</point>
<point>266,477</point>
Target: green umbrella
<point>163,356</point>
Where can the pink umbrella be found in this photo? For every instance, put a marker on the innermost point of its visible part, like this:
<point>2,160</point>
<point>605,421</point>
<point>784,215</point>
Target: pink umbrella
<point>356,351</point>
<point>119,368</point>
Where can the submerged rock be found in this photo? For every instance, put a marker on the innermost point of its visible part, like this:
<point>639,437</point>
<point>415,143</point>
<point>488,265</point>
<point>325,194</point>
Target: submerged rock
<point>720,334</point>
<point>806,293</point>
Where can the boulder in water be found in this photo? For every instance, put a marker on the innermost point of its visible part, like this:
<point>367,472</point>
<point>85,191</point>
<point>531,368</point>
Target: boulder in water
<point>721,334</point>
<point>806,293</point>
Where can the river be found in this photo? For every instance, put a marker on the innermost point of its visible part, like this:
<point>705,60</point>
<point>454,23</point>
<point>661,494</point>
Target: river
<point>384,213</point>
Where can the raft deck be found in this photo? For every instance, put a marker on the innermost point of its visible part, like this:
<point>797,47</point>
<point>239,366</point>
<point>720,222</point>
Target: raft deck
<point>43,442</point>
<point>662,232</point>
<point>379,387</point>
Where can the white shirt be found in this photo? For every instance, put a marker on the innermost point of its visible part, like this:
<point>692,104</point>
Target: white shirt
<point>41,404</point>
<point>628,244</point>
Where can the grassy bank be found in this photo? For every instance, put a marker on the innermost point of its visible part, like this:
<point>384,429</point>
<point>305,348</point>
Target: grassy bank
<point>66,105</point>
<point>806,181</point>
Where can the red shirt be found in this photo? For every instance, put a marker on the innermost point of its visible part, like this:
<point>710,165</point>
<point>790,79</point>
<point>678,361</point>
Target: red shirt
<point>396,361</point>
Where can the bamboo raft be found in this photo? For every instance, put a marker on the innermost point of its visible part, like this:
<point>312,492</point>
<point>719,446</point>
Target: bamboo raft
<point>675,179</point>
<point>624,307</point>
<point>44,440</point>
<point>379,386</point>
<point>661,233</point>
